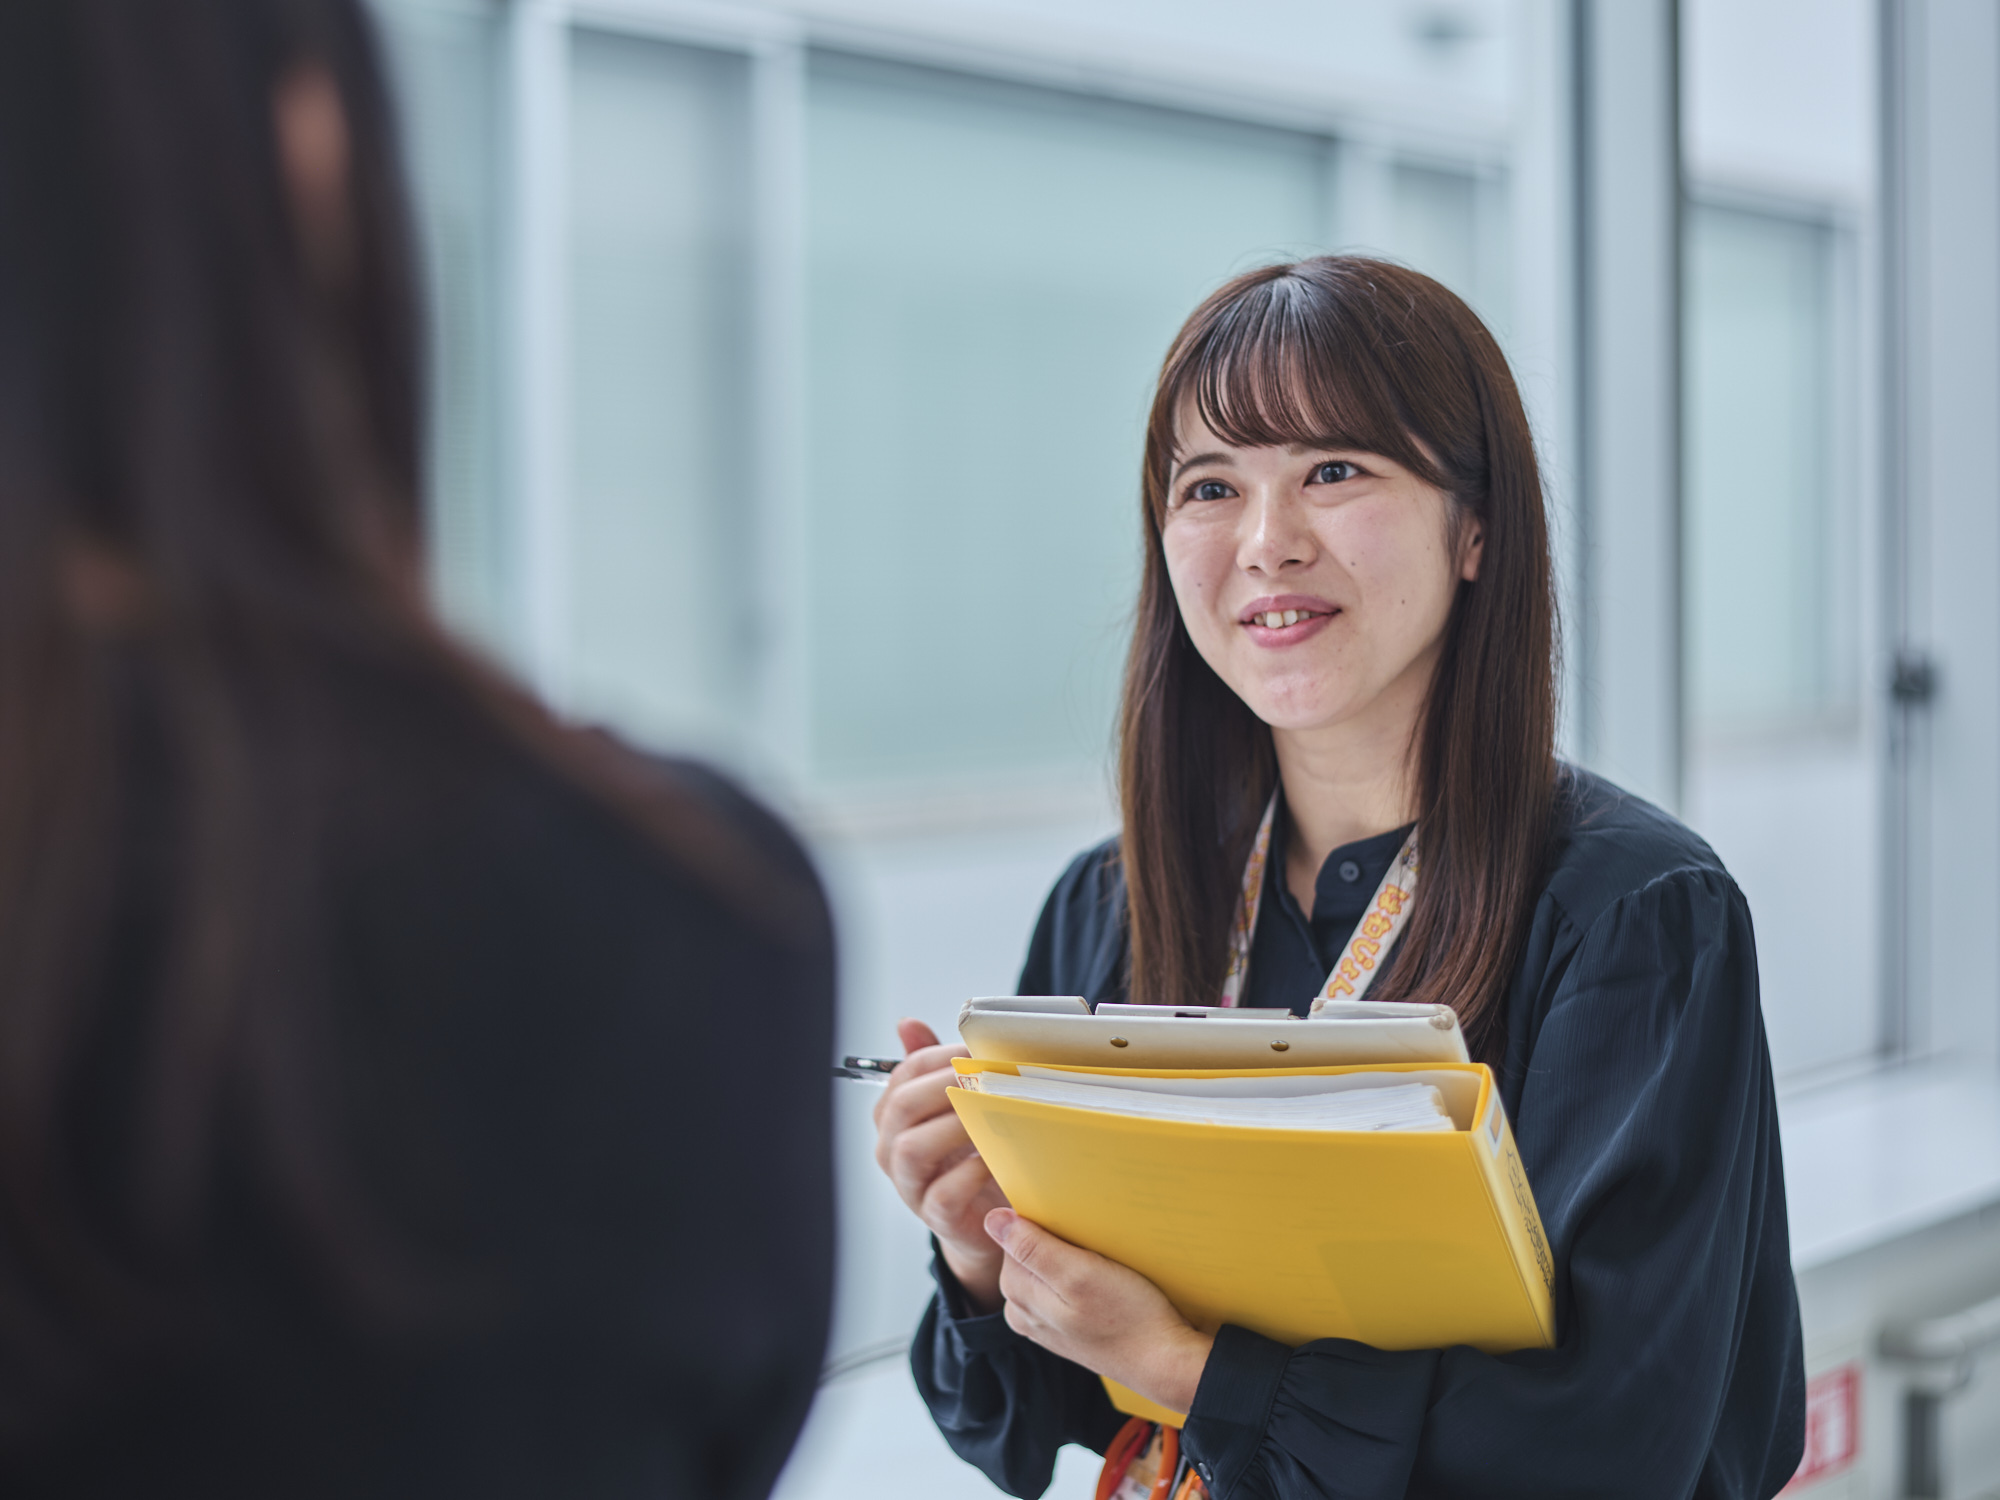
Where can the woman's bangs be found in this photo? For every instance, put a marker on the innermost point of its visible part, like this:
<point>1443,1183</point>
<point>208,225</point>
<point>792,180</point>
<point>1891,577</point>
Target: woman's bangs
<point>1266,377</point>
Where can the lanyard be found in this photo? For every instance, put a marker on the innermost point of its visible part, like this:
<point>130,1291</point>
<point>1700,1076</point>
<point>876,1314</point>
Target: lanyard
<point>1374,935</point>
<point>1145,1462</point>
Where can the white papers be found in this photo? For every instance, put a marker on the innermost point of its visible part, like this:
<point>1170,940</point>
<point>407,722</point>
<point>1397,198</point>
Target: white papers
<point>1279,1086</point>
<point>1349,1101</point>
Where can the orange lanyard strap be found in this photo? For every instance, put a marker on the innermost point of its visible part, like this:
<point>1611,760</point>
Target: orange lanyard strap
<point>1366,949</point>
<point>1135,1439</point>
<point>1128,1445</point>
<point>1170,1463</point>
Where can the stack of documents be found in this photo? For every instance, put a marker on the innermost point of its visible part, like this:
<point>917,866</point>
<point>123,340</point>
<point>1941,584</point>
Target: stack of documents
<point>1352,1101</point>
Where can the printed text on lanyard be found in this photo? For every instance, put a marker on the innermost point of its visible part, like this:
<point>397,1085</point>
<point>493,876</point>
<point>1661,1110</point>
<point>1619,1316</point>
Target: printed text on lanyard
<point>1373,937</point>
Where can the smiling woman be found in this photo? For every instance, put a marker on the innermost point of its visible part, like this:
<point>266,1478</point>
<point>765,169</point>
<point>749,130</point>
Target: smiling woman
<point>1344,654</point>
<point>1343,430</point>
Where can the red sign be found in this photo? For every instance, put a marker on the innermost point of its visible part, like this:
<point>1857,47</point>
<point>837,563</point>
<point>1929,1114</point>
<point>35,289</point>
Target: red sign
<point>1833,1425</point>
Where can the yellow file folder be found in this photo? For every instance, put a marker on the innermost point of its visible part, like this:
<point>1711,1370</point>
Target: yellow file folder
<point>1400,1240</point>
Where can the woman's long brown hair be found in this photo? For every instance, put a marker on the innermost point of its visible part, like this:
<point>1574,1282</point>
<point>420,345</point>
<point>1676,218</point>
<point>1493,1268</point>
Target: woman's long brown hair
<point>1341,351</point>
<point>215,649</point>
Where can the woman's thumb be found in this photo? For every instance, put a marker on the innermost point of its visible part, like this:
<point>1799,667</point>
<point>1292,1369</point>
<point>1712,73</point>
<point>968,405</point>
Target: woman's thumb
<point>914,1034</point>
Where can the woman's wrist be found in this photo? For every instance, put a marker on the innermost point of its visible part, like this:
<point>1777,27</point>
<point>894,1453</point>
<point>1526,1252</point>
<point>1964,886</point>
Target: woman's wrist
<point>1170,1370</point>
<point>977,1275</point>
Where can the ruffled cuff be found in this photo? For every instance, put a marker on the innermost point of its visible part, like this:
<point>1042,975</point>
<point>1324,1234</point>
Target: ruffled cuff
<point>976,1333</point>
<point>1232,1405</point>
<point>1331,1413</point>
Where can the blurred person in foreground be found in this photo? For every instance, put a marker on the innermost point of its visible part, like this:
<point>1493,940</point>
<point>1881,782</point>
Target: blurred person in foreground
<point>365,1123</point>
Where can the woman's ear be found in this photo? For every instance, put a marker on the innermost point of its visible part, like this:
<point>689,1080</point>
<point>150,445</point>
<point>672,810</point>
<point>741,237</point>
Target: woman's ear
<point>1471,547</point>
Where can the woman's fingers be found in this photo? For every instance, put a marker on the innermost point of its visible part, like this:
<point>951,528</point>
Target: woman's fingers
<point>1035,1307</point>
<point>1042,1266</point>
<point>927,1060</point>
<point>1020,1316</point>
<point>1096,1312</point>
<point>929,1159</point>
<point>929,1065</point>
<point>963,1194</point>
<point>908,1103</point>
<point>917,1156</point>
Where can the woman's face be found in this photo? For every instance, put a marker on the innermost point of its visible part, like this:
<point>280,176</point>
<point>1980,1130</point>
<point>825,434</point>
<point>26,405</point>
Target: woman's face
<point>1316,582</point>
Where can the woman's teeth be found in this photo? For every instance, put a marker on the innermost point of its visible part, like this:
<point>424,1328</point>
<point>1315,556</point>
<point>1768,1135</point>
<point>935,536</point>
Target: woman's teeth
<point>1277,618</point>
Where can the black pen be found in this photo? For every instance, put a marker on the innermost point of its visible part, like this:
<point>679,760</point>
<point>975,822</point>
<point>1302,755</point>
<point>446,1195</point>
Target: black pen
<point>867,1069</point>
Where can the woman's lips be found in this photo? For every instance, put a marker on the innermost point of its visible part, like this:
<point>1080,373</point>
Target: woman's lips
<point>1305,625</point>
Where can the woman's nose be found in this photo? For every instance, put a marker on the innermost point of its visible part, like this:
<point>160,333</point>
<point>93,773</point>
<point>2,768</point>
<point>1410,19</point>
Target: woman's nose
<point>1274,535</point>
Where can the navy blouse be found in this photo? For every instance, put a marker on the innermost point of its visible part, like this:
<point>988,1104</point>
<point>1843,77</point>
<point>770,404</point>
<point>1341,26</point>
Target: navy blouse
<point>1639,1085</point>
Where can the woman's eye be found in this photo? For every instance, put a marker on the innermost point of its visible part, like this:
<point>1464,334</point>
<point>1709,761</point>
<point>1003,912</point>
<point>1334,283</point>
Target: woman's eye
<point>1208,489</point>
<point>1333,472</point>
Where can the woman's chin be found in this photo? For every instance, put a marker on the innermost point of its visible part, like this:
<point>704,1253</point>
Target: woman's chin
<point>1301,713</point>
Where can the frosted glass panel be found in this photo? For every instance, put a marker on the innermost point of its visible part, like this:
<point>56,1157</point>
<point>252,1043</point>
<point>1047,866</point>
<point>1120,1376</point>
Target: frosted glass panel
<point>1437,225</point>
<point>443,59</point>
<point>1780,777</point>
<point>1772,633</point>
<point>994,275</point>
<point>1444,219</point>
<point>659,238</point>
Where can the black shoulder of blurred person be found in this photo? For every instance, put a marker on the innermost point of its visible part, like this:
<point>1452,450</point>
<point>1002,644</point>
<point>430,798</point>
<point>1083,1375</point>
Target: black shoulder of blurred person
<point>405,1094</point>
<point>584,1179</point>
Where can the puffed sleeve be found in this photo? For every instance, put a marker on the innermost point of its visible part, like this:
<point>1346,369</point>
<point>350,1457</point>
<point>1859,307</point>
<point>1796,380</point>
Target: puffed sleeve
<point>1647,1123</point>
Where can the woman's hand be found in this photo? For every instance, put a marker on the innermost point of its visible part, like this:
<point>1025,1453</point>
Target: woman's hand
<point>922,1146</point>
<point>1104,1316</point>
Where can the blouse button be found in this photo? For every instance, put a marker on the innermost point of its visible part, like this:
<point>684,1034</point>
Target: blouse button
<point>1349,871</point>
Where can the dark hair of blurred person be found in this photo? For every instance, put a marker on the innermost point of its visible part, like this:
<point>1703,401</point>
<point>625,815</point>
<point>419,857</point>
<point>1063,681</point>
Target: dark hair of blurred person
<point>347,1138</point>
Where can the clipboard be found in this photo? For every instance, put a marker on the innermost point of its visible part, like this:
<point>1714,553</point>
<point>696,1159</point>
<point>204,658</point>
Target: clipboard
<point>1064,1031</point>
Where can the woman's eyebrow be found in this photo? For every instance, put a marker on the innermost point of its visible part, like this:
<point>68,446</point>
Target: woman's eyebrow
<point>1200,458</point>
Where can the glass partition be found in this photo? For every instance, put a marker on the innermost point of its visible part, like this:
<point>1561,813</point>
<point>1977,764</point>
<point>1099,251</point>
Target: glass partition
<point>1441,223</point>
<point>1771,508</point>
<point>660,591</point>
<point>994,276</point>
